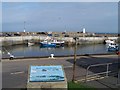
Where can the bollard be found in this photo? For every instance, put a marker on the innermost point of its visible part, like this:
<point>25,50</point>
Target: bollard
<point>52,55</point>
<point>11,57</point>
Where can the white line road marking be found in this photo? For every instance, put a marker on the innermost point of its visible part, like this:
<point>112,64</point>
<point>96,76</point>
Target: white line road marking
<point>17,72</point>
<point>68,66</point>
<point>20,72</point>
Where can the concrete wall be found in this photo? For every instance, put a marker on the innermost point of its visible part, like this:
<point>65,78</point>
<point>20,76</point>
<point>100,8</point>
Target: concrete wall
<point>69,40</point>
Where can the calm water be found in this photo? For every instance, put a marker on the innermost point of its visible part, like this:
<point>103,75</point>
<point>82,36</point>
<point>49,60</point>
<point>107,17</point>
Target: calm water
<point>35,50</point>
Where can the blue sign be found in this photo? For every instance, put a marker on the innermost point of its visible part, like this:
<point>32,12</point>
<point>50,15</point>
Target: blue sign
<point>46,73</point>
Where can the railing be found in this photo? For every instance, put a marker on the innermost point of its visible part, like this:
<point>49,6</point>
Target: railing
<point>97,74</point>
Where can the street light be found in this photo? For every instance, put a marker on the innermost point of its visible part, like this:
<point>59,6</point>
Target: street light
<point>74,64</point>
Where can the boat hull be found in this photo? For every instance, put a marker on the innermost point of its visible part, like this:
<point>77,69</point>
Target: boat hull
<point>59,44</point>
<point>47,45</point>
<point>52,44</point>
<point>113,49</point>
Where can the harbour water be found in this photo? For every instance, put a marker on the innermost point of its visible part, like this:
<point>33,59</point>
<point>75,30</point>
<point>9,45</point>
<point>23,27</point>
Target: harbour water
<point>37,51</point>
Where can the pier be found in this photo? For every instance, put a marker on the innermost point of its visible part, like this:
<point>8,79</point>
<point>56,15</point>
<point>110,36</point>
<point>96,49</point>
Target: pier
<point>16,40</point>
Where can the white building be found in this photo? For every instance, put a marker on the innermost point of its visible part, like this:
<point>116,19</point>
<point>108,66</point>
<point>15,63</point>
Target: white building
<point>83,30</point>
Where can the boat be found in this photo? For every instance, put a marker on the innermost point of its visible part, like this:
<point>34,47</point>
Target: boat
<point>47,44</point>
<point>58,43</point>
<point>108,41</point>
<point>30,43</point>
<point>52,43</point>
<point>112,47</point>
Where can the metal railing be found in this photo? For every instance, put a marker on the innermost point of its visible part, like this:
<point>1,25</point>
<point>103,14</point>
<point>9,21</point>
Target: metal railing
<point>97,74</point>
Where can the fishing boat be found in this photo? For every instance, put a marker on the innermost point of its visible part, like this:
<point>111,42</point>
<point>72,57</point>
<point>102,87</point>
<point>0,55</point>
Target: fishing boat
<point>52,43</point>
<point>47,44</point>
<point>58,43</point>
<point>112,47</point>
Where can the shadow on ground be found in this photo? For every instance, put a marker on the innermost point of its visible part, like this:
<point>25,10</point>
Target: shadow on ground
<point>84,62</point>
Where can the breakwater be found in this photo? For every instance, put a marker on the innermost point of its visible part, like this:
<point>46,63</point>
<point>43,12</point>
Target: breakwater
<point>6,41</point>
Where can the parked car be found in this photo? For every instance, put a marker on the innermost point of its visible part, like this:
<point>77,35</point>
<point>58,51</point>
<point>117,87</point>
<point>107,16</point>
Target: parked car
<point>56,35</point>
<point>44,33</point>
<point>63,32</point>
<point>66,35</point>
<point>118,52</point>
<point>9,35</point>
<point>16,34</point>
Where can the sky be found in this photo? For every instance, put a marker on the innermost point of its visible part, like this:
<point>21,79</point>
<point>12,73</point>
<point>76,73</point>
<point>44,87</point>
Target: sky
<point>60,0</point>
<point>99,17</point>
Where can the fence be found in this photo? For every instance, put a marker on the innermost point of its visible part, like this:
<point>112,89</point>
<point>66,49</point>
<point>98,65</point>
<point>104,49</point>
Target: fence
<point>97,75</point>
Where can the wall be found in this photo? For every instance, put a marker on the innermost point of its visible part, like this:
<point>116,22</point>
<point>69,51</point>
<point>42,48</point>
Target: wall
<point>5,41</point>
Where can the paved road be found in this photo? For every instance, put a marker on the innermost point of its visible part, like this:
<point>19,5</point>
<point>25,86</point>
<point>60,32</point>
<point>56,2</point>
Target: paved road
<point>15,71</point>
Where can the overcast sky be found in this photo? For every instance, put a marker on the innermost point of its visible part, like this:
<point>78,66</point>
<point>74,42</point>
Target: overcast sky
<point>60,16</point>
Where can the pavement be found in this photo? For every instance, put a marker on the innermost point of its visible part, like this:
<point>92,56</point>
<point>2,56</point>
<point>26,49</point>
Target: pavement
<point>15,72</point>
<point>109,82</point>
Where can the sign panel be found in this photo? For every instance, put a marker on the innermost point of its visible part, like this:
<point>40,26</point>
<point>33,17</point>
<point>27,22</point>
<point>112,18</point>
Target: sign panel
<point>46,73</point>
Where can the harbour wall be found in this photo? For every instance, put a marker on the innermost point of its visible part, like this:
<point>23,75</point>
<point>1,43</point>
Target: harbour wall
<point>6,41</point>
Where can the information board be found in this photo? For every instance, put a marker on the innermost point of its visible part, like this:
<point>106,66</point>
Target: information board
<point>46,73</point>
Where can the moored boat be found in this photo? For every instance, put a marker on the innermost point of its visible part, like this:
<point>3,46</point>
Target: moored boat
<point>30,43</point>
<point>52,43</point>
<point>108,41</point>
<point>112,47</point>
<point>58,43</point>
<point>47,44</point>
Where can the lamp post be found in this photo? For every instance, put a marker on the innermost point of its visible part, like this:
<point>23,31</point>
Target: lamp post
<point>74,64</point>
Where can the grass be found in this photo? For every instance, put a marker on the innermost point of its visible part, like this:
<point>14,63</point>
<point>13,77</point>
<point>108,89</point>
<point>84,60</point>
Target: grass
<point>79,86</point>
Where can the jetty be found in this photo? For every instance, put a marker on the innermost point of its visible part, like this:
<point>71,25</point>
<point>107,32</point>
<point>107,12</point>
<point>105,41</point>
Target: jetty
<point>13,38</point>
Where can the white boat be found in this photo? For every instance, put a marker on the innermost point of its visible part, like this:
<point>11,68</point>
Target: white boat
<point>112,47</point>
<point>30,43</point>
<point>46,43</point>
<point>58,43</point>
<point>108,41</point>
<point>52,43</point>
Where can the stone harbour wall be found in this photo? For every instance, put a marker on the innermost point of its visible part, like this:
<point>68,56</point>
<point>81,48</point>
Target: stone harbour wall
<point>6,41</point>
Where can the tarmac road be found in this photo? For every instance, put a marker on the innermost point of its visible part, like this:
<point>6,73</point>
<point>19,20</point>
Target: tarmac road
<point>15,72</point>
